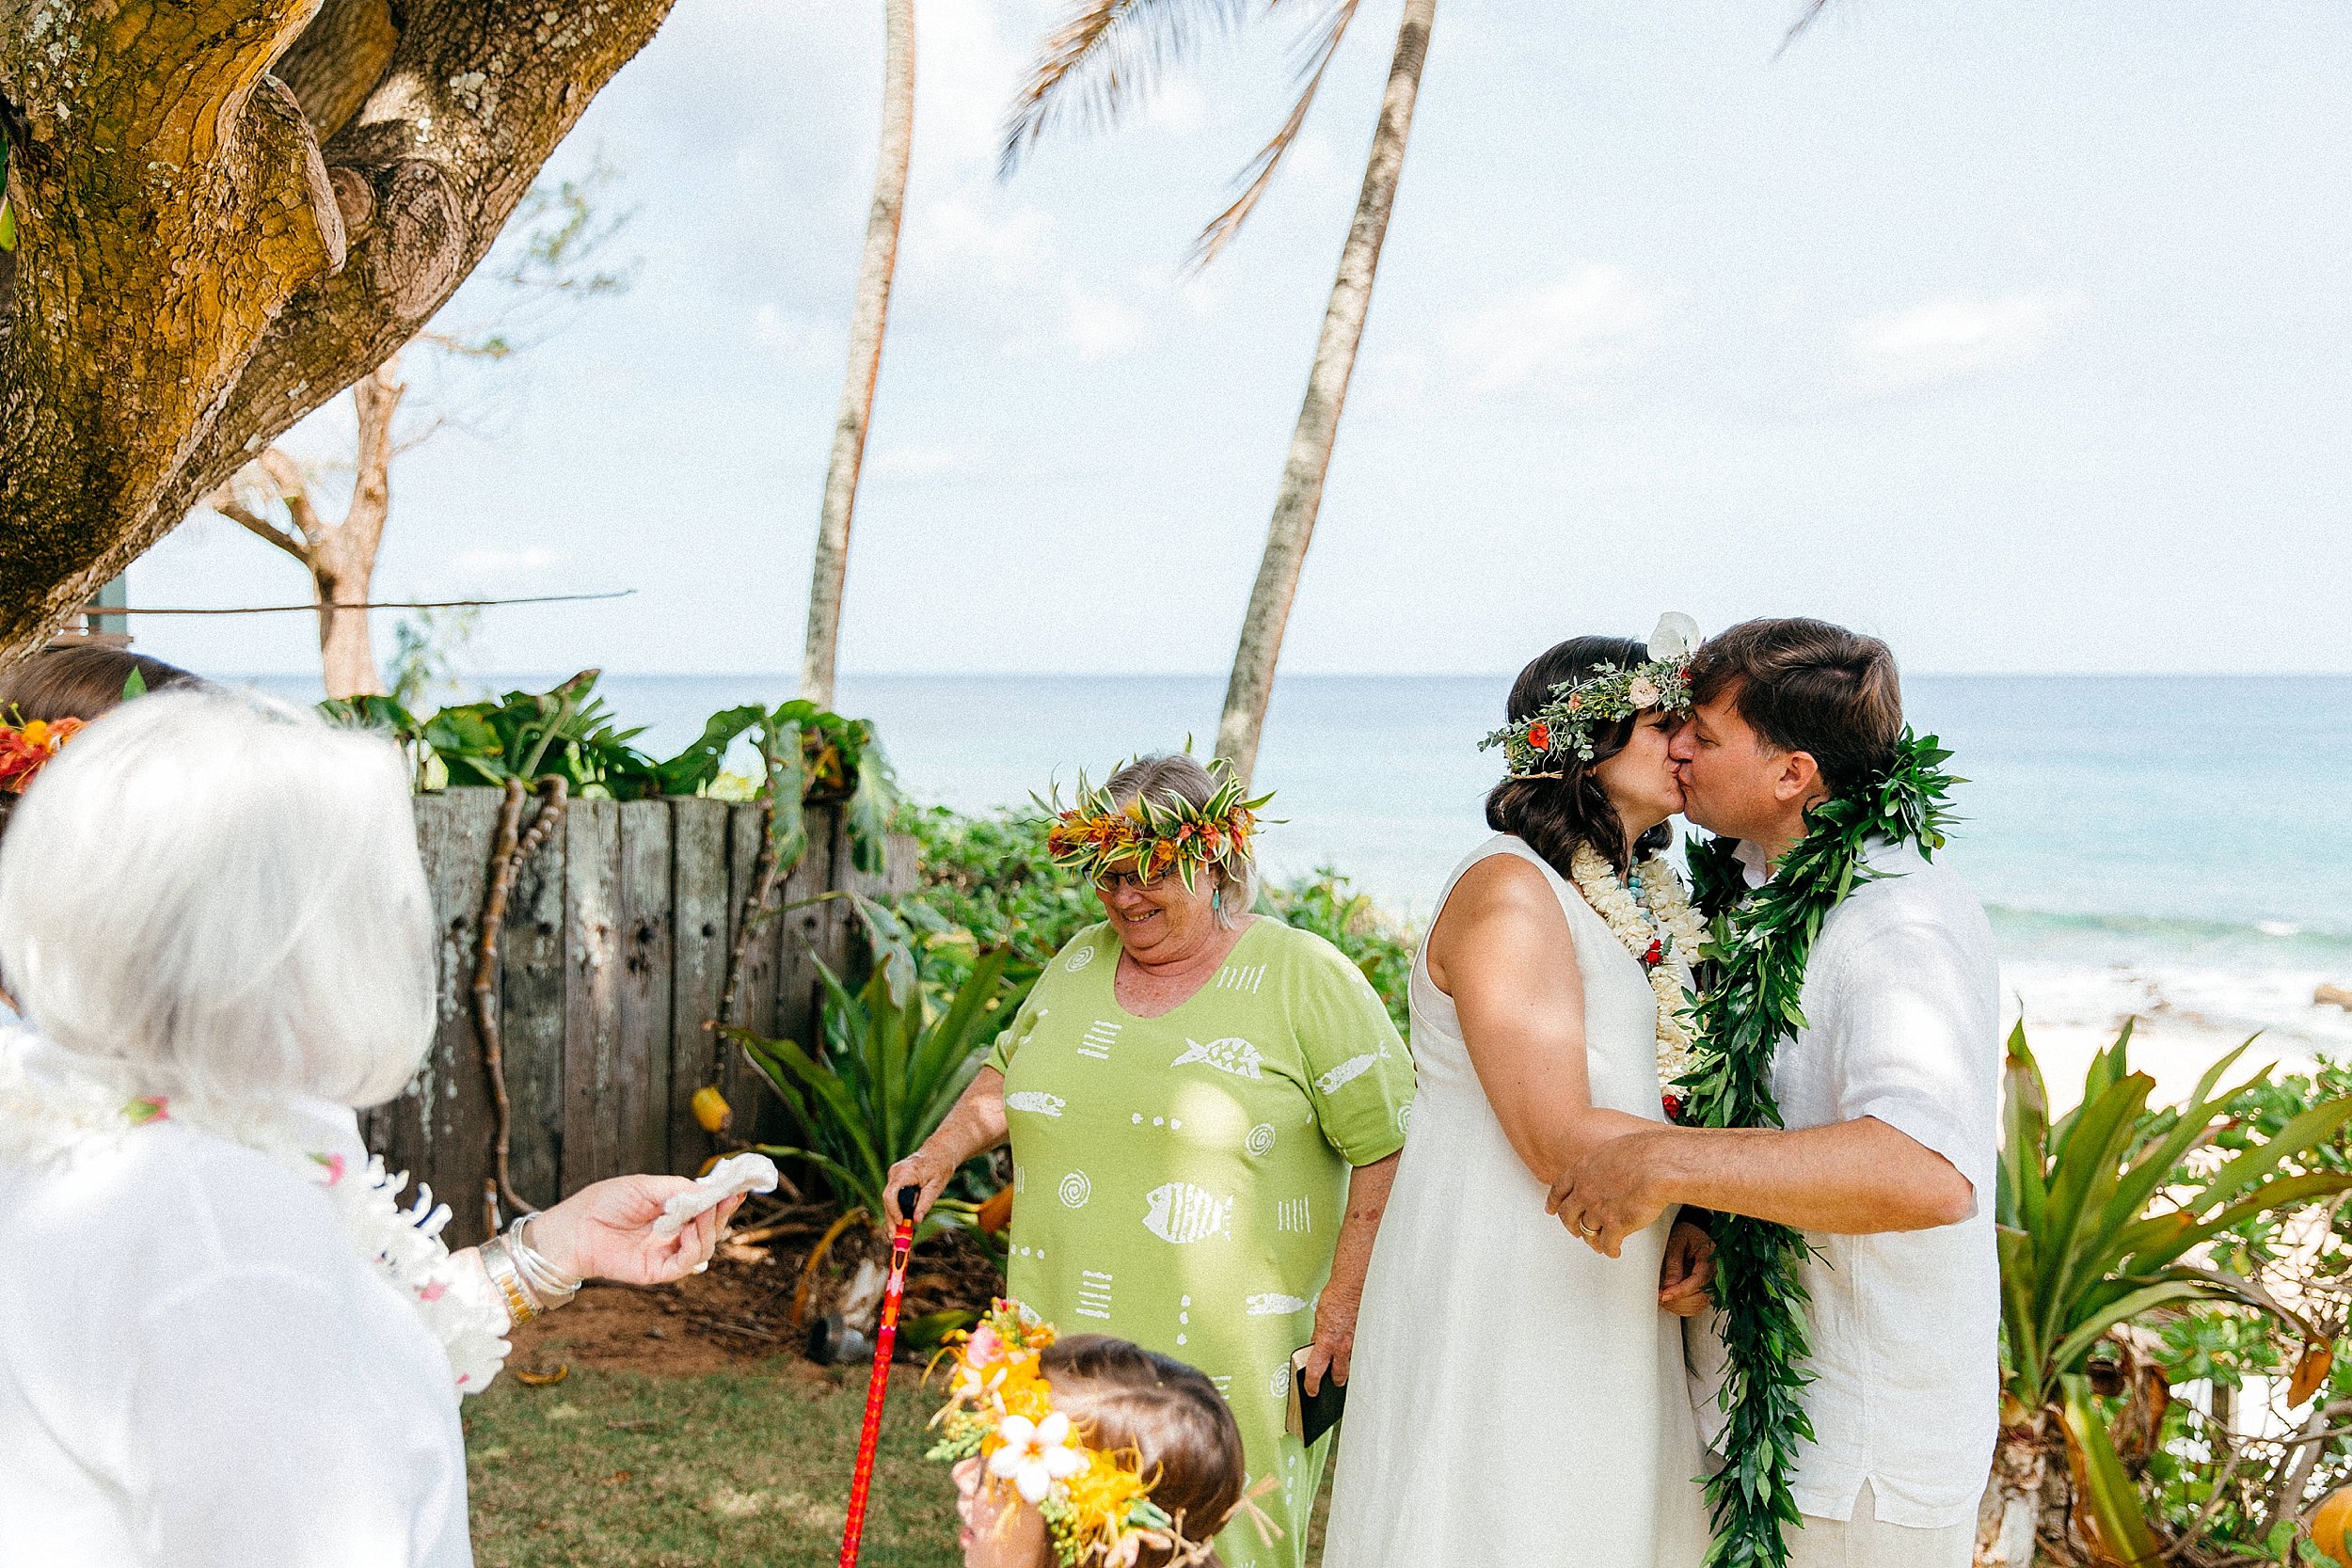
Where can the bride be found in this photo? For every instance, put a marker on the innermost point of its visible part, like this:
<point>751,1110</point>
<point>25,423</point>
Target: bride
<point>1517,1397</point>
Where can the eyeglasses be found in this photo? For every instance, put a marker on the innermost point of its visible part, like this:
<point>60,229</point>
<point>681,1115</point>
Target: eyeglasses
<point>1114,881</point>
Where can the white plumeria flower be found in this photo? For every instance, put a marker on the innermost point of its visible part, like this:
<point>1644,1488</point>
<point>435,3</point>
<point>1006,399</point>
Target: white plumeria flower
<point>1035,1455</point>
<point>1677,637</point>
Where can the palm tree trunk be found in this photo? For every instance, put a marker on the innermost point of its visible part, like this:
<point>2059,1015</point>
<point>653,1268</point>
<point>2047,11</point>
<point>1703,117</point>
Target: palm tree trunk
<point>342,559</point>
<point>875,273</point>
<point>1301,495</point>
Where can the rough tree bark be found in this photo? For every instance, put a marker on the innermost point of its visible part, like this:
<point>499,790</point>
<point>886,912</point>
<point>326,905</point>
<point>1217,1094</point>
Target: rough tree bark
<point>1301,495</point>
<point>340,557</point>
<point>875,272</point>
<point>228,212</point>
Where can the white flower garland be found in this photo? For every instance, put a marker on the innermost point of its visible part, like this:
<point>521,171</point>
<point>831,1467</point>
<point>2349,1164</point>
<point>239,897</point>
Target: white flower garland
<point>1661,931</point>
<point>60,1114</point>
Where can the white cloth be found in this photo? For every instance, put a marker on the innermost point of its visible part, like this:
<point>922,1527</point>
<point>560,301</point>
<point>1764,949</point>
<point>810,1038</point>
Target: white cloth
<point>1866,1541</point>
<point>199,1370</point>
<point>1515,1397</point>
<point>1901,999</point>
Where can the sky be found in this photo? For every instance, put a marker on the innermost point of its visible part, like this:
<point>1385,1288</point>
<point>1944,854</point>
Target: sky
<point>2017,334</point>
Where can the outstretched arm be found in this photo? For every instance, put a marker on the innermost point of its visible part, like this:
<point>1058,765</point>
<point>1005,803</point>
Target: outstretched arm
<point>1850,1177</point>
<point>975,1126</point>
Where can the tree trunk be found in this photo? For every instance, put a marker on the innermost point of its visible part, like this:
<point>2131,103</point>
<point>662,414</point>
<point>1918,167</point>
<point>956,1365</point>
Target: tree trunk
<point>201,263</point>
<point>342,562</point>
<point>875,271</point>
<point>2012,1503</point>
<point>1301,495</point>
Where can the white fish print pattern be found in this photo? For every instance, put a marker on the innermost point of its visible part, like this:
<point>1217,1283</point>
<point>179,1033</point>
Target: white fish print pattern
<point>1273,1304</point>
<point>1346,1072</point>
<point>1232,1055</point>
<point>1036,1102</point>
<point>1182,1213</point>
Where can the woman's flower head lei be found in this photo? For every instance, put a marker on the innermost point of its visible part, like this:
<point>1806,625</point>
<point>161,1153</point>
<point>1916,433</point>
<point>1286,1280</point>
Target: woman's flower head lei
<point>1000,1408</point>
<point>1098,833</point>
<point>1539,746</point>
<point>26,748</point>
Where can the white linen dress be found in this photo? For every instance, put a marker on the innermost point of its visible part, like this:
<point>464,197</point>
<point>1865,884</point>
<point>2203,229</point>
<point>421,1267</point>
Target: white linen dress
<point>1515,1396</point>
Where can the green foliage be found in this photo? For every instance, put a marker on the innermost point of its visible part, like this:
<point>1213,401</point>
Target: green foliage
<point>424,653</point>
<point>1749,1004</point>
<point>891,1060</point>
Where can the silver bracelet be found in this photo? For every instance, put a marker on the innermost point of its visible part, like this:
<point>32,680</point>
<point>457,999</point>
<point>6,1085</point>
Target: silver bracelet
<point>498,1261</point>
<point>551,1284</point>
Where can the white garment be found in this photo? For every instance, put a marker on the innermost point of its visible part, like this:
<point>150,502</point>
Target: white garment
<point>1902,995</point>
<point>198,1371</point>
<point>1516,1397</point>
<point>1865,1540</point>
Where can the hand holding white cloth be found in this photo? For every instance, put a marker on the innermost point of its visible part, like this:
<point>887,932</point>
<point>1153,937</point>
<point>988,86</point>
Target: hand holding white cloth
<point>732,1177</point>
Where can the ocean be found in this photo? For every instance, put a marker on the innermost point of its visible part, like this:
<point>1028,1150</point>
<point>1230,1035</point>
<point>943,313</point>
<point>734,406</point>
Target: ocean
<point>2153,845</point>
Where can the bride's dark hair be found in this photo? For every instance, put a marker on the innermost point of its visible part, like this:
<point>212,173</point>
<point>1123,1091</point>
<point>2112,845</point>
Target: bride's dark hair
<point>1554,815</point>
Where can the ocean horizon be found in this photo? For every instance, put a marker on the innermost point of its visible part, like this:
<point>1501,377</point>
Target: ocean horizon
<point>2167,842</point>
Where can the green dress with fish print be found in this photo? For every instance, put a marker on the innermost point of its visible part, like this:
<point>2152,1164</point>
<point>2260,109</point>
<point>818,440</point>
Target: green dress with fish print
<point>1180,1180</point>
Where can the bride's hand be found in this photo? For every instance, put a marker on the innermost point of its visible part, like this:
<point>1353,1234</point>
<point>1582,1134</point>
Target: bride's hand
<point>1688,1271</point>
<point>605,1231</point>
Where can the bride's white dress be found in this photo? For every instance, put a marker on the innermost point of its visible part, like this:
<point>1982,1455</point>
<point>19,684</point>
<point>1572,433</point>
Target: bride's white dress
<point>1516,1397</point>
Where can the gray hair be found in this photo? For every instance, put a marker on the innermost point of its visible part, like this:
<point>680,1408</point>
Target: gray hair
<point>221,894</point>
<point>1176,776</point>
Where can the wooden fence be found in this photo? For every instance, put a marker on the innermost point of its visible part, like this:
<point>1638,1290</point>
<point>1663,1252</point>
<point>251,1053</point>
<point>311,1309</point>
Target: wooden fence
<point>613,959</point>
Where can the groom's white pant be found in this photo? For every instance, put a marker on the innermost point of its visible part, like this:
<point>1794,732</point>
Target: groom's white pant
<point>1868,1542</point>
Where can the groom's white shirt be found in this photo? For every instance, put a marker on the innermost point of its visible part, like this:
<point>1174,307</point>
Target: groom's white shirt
<point>1901,1002</point>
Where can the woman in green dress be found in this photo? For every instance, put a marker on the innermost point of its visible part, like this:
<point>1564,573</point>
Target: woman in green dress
<point>1206,1108</point>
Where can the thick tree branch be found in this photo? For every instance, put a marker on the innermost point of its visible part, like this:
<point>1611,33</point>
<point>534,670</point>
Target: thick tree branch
<point>226,501</point>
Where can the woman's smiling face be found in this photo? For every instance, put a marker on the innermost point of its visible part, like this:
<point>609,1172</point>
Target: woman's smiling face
<point>1160,921</point>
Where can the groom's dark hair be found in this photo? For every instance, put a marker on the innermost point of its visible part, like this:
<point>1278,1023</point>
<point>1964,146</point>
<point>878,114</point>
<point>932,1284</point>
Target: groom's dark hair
<point>1807,685</point>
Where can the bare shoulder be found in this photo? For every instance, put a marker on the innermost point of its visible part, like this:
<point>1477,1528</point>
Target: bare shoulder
<point>1503,902</point>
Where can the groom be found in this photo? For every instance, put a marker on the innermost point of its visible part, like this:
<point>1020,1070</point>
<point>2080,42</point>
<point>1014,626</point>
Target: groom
<point>1889,1098</point>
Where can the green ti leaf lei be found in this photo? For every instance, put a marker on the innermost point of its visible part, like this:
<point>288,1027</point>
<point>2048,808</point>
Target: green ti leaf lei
<point>1749,1003</point>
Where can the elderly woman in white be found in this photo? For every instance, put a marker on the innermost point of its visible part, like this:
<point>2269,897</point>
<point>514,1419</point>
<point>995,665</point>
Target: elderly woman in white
<point>224,1342</point>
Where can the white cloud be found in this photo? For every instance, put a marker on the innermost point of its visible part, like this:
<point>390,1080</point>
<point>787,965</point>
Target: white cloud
<point>1098,326</point>
<point>1954,336</point>
<point>956,231</point>
<point>1562,333</point>
<point>919,461</point>
<point>796,338</point>
<point>964,76</point>
<point>527,561</point>
<point>1179,107</point>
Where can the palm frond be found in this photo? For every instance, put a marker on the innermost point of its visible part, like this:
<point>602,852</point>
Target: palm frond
<point>1105,54</point>
<point>1259,173</point>
<point>1812,12</point>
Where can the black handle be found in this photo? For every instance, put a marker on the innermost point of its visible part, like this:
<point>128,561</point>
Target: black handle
<point>908,1198</point>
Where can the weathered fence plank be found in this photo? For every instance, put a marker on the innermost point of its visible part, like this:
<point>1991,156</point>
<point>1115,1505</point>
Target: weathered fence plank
<point>530,963</point>
<point>698,902</point>
<point>754,980</point>
<point>592,993</point>
<point>641,1100</point>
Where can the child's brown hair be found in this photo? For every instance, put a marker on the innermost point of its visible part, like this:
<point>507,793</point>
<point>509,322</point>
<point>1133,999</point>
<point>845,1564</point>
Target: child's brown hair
<point>1126,1398</point>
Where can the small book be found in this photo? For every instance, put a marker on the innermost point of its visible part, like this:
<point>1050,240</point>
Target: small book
<point>1311,1415</point>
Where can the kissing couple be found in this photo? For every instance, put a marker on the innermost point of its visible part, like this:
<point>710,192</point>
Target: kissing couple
<point>1690,1255</point>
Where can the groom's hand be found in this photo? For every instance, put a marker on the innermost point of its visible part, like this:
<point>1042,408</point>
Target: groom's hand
<point>1687,1271</point>
<point>1608,1195</point>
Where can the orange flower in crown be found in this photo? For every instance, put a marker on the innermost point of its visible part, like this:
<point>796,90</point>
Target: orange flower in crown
<point>1097,834</point>
<point>26,747</point>
<point>1000,1409</point>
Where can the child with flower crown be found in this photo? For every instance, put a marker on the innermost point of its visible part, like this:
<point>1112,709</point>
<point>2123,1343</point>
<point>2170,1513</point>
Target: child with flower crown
<point>1086,1452</point>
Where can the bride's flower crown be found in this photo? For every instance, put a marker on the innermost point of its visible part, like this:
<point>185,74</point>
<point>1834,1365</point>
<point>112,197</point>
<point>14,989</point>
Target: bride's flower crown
<point>26,749</point>
<point>1539,746</point>
<point>1098,833</point>
<point>1000,1407</point>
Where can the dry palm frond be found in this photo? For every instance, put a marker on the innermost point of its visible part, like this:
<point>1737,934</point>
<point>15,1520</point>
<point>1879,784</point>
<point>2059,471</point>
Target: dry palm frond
<point>1315,59</point>
<point>1107,51</point>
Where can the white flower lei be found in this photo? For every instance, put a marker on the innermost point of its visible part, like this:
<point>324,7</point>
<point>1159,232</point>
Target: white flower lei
<point>1662,918</point>
<point>59,1114</point>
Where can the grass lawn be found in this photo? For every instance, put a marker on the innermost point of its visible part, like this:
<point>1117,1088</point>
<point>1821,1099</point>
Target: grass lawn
<point>733,1468</point>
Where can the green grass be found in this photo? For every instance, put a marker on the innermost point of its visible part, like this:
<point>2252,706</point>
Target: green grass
<point>747,1469</point>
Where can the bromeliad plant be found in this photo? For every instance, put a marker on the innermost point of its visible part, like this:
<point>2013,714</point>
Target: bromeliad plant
<point>892,1058</point>
<point>2107,1216</point>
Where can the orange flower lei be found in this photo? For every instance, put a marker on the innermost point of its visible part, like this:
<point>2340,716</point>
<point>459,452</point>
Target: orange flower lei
<point>26,747</point>
<point>1098,833</point>
<point>1000,1409</point>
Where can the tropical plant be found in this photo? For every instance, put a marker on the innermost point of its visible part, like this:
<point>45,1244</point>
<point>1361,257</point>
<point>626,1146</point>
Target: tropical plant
<point>876,270</point>
<point>890,1061</point>
<point>1107,50</point>
<point>2109,1215</point>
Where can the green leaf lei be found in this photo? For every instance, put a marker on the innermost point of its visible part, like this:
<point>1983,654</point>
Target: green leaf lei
<point>1749,1003</point>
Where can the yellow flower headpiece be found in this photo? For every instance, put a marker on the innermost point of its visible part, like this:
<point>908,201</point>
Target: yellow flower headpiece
<point>1000,1408</point>
<point>1098,833</point>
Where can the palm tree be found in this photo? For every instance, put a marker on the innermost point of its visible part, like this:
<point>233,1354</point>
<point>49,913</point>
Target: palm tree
<point>875,274</point>
<point>1110,48</point>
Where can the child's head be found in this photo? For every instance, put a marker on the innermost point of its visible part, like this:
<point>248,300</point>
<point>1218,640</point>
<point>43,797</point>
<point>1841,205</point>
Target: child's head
<point>1123,1399</point>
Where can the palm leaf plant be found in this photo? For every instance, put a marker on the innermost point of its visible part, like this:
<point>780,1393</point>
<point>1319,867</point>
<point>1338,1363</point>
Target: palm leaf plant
<point>892,1058</point>
<point>2105,1215</point>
